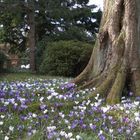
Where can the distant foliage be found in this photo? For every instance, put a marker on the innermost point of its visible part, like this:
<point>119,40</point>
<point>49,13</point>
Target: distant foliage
<point>3,59</point>
<point>54,19</point>
<point>65,58</point>
<point>41,45</point>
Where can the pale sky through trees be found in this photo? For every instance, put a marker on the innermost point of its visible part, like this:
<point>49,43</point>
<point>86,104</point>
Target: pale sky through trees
<point>99,3</point>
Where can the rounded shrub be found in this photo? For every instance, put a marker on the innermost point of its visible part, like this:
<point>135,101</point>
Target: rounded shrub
<point>3,59</point>
<point>65,58</point>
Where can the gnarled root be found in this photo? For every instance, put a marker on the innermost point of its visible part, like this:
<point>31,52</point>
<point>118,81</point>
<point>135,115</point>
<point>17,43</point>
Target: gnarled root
<point>104,87</point>
<point>93,82</point>
<point>111,88</point>
<point>136,82</point>
<point>115,93</point>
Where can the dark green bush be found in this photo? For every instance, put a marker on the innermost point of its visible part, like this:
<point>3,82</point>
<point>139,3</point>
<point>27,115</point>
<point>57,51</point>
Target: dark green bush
<point>3,59</point>
<point>65,58</point>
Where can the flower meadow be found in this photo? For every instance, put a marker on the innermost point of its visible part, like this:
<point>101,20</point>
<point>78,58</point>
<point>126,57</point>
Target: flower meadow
<point>52,109</point>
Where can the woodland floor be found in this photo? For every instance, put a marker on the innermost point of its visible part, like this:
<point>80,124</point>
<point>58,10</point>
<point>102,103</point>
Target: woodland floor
<point>40,107</point>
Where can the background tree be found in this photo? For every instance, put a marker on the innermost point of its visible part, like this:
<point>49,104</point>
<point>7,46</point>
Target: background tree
<point>63,20</point>
<point>13,28</point>
<point>115,63</point>
<point>34,21</point>
<point>31,36</point>
<point>58,20</point>
<point>16,23</point>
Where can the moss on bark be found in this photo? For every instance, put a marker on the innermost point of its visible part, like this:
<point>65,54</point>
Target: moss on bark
<point>115,94</point>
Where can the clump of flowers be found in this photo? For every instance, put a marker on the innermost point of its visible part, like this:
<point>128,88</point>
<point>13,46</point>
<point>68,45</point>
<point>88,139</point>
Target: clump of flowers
<point>53,109</point>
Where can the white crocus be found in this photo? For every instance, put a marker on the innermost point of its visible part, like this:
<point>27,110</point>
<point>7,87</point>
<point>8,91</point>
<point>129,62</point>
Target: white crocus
<point>54,94</point>
<point>62,133</point>
<point>121,108</point>
<point>136,114</point>
<point>88,102</point>
<point>111,131</point>
<point>61,114</point>
<point>66,121</point>
<point>105,109</point>
<point>76,102</point>
<point>70,135</point>
<point>6,138</point>
<point>1,123</point>
<point>45,111</point>
<point>137,119</point>
<point>2,116</point>
<point>49,97</point>
<point>27,66</point>
<point>11,128</point>
<point>22,66</point>
<point>6,103</point>
<point>136,103</point>
<point>34,115</point>
<point>127,111</point>
<point>34,131</point>
<point>78,137</point>
<point>51,128</point>
<point>41,99</point>
<point>77,95</point>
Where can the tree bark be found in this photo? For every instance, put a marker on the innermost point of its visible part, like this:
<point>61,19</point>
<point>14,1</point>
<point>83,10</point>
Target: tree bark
<point>31,37</point>
<point>115,62</point>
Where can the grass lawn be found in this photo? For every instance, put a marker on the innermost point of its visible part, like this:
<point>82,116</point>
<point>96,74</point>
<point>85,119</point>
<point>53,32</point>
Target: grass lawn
<point>34,107</point>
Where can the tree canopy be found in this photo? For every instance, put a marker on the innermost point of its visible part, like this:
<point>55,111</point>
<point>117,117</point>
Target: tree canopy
<point>57,20</point>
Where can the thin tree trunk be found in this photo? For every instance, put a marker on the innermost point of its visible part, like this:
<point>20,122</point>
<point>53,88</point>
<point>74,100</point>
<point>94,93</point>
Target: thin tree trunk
<point>115,63</point>
<point>31,39</point>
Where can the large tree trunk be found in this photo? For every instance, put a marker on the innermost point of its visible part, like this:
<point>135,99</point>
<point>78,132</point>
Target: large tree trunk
<point>115,63</point>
